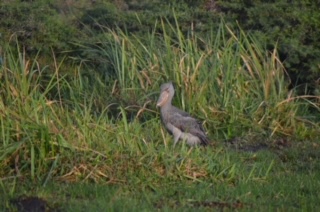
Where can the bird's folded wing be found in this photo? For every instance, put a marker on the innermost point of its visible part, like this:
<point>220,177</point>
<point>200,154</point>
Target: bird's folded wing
<point>185,123</point>
<point>188,124</point>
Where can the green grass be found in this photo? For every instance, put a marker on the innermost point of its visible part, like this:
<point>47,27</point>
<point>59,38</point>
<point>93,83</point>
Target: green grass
<point>232,180</point>
<point>82,141</point>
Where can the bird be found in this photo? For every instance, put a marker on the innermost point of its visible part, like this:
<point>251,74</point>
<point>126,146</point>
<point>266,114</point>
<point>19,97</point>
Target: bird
<point>178,122</point>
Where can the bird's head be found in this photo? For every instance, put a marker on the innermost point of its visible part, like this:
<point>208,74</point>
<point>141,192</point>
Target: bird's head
<point>166,94</point>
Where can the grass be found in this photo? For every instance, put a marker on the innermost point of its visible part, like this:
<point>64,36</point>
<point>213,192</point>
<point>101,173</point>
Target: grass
<point>82,142</point>
<point>233,181</point>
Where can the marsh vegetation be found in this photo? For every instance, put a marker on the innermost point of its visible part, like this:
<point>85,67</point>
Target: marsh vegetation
<point>82,132</point>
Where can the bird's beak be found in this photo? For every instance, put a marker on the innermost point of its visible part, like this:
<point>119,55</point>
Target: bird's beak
<point>163,98</point>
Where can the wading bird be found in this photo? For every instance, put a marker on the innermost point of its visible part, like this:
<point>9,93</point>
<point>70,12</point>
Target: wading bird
<point>177,122</point>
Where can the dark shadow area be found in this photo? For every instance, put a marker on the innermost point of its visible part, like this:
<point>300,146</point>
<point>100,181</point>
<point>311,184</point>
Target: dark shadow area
<point>32,204</point>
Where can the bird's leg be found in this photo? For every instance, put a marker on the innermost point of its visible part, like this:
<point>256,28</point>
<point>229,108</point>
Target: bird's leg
<point>176,139</point>
<point>176,135</point>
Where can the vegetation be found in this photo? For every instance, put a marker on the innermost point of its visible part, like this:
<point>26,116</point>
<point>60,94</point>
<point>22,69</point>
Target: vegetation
<point>45,25</point>
<point>293,29</point>
<point>80,129</point>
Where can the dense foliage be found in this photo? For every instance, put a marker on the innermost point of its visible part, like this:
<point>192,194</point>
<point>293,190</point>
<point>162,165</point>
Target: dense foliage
<point>37,25</point>
<point>292,26</point>
<point>46,25</point>
<point>78,86</point>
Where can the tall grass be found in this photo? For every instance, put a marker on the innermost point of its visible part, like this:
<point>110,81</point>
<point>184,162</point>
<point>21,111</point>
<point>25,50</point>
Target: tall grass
<point>227,78</point>
<point>75,127</point>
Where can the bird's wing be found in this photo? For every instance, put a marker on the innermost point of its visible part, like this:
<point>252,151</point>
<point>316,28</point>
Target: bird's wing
<point>186,123</point>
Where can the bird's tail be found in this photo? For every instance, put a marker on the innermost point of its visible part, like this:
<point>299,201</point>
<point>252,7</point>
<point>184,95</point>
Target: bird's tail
<point>204,140</point>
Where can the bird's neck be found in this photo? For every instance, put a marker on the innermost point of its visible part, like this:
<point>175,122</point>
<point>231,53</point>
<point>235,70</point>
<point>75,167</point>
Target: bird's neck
<point>166,108</point>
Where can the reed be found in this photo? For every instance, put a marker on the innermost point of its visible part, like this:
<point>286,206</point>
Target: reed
<point>77,127</point>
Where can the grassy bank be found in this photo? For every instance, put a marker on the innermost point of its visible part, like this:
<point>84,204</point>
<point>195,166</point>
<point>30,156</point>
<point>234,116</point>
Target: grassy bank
<point>86,139</point>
